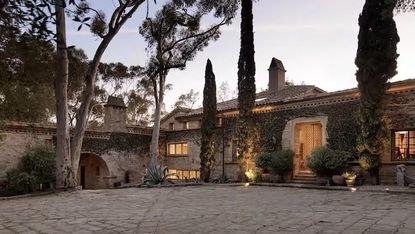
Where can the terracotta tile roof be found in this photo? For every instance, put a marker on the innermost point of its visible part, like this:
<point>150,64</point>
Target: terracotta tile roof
<point>181,110</point>
<point>291,92</point>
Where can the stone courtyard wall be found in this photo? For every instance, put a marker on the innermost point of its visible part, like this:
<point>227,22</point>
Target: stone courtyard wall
<point>123,153</point>
<point>13,145</point>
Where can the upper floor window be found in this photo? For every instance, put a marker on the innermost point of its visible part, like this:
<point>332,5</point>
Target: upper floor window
<point>177,149</point>
<point>219,122</point>
<point>403,145</point>
<point>171,126</point>
<point>186,125</point>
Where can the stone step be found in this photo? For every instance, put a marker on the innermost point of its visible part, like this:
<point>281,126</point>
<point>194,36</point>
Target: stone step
<point>297,181</point>
<point>305,177</point>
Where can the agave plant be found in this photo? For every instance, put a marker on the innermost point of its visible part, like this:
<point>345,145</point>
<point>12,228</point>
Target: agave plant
<point>156,175</point>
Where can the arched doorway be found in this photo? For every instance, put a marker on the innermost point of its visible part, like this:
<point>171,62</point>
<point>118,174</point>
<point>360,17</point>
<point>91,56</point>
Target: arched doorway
<point>307,136</point>
<point>92,172</point>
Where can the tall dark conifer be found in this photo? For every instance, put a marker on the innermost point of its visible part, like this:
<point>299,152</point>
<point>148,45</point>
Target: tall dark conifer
<point>246,87</point>
<point>207,149</point>
<point>376,62</point>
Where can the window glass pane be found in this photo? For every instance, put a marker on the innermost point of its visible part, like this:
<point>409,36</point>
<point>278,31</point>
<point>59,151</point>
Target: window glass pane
<point>412,144</point>
<point>186,174</point>
<point>180,174</point>
<point>198,174</point>
<point>192,174</point>
<point>184,149</point>
<point>172,149</point>
<point>401,145</point>
<point>172,174</point>
<point>178,148</point>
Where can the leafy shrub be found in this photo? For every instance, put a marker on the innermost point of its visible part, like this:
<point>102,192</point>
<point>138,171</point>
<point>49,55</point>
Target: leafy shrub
<point>282,162</point>
<point>20,182</point>
<point>156,175</point>
<point>263,160</point>
<point>221,180</point>
<point>39,162</point>
<point>369,162</point>
<point>327,162</point>
<point>349,175</point>
<point>37,166</point>
<point>252,175</point>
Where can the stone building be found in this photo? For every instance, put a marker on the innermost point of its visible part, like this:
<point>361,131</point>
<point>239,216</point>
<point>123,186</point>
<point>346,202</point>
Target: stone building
<point>297,117</point>
<point>113,154</point>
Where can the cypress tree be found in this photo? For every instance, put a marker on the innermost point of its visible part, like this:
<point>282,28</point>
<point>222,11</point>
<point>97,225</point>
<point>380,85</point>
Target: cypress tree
<point>207,149</point>
<point>376,62</point>
<point>246,88</point>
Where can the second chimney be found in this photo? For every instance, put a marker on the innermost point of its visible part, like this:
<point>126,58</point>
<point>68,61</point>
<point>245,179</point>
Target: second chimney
<point>276,75</point>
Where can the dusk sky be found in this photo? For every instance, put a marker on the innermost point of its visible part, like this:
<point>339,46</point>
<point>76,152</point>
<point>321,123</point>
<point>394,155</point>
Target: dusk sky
<point>316,40</point>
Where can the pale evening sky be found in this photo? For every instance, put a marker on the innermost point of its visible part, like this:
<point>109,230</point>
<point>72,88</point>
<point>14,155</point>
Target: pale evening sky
<point>316,40</point>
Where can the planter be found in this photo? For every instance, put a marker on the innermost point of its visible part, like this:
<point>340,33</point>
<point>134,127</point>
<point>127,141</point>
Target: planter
<point>358,171</point>
<point>265,177</point>
<point>338,180</point>
<point>323,181</point>
<point>350,183</point>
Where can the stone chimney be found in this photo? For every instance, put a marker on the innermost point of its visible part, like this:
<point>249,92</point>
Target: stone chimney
<point>276,75</point>
<point>115,117</point>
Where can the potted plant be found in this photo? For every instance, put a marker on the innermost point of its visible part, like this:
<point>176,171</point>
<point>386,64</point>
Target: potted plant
<point>370,163</point>
<point>325,162</point>
<point>263,161</point>
<point>282,163</point>
<point>350,177</point>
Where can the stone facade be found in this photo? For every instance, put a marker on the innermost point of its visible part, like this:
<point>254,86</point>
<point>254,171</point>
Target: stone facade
<point>118,153</point>
<point>14,142</point>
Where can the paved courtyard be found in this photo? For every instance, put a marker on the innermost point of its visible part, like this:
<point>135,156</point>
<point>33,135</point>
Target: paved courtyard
<point>210,209</point>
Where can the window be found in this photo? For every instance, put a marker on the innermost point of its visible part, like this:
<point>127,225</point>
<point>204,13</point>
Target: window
<point>403,145</point>
<point>219,122</point>
<point>234,150</point>
<point>183,174</point>
<point>171,126</point>
<point>186,125</point>
<point>177,149</point>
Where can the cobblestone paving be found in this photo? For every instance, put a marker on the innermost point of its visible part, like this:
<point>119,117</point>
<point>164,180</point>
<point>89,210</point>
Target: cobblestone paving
<point>210,209</point>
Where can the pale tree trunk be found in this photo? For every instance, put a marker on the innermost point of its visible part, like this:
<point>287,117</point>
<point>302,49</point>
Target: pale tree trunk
<point>83,112</point>
<point>65,176</point>
<point>159,97</point>
<point>118,19</point>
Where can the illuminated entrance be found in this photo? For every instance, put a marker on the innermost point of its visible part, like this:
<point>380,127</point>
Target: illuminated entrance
<point>307,136</point>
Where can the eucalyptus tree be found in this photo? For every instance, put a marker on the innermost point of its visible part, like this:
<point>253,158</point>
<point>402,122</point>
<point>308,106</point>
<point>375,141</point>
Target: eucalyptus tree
<point>207,147</point>
<point>37,16</point>
<point>174,36</point>
<point>187,100</point>
<point>376,61</point>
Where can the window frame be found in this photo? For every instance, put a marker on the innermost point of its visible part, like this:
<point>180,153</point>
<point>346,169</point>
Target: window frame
<point>169,154</point>
<point>182,173</point>
<point>406,156</point>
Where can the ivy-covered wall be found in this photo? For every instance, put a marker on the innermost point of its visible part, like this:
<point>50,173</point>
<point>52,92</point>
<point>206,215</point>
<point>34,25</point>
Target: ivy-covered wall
<point>121,142</point>
<point>342,127</point>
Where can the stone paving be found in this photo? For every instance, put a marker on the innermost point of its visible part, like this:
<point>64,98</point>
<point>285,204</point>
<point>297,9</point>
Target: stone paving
<point>210,209</point>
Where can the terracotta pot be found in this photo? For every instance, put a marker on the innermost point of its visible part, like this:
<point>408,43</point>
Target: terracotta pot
<point>338,180</point>
<point>265,177</point>
<point>350,183</point>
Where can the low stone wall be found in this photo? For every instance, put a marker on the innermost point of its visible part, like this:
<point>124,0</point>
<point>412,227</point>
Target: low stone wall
<point>13,146</point>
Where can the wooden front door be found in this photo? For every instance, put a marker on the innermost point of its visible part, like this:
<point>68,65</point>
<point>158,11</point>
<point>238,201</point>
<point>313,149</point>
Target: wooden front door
<point>307,137</point>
